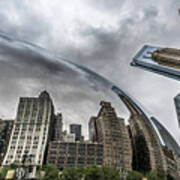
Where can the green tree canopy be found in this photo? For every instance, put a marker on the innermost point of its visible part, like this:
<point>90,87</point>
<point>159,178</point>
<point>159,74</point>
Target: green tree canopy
<point>51,172</point>
<point>134,175</point>
<point>72,173</point>
<point>155,176</point>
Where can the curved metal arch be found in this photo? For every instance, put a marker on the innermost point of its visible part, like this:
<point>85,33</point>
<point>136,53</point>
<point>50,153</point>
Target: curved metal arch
<point>86,72</point>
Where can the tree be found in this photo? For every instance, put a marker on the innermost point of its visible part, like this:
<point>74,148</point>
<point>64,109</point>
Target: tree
<point>51,172</point>
<point>134,175</point>
<point>72,173</point>
<point>93,173</point>
<point>155,176</point>
<point>110,174</point>
<point>3,172</point>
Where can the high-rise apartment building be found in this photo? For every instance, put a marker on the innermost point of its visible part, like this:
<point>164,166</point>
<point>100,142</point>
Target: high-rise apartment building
<point>111,131</point>
<point>177,104</point>
<point>76,129</point>
<point>5,132</point>
<point>93,129</point>
<point>74,154</point>
<point>58,125</point>
<point>31,132</point>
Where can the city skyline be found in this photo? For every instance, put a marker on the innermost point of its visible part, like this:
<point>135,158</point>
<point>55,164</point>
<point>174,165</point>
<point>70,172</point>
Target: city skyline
<point>105,44</point>
<point>37,130</point>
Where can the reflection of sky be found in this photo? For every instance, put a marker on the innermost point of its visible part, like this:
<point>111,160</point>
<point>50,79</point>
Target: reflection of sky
<point>26,70</point>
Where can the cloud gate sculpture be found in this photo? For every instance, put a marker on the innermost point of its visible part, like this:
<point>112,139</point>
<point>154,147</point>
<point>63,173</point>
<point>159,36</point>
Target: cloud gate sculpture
<point>26,66</point>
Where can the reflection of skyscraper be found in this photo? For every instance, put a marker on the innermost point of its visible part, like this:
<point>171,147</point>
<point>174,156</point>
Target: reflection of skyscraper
<point>177,104</point>
<point>76,129</point>
<point>31,132</point>
<point>147,150</point>
<point>156,59</point>
<point>167,57</point>
<point>169,141</point>
<point>111,131</point>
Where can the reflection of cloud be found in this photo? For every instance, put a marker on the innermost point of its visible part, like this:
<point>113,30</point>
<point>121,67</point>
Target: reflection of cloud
<point>102,35</point>
<point>25,70</point>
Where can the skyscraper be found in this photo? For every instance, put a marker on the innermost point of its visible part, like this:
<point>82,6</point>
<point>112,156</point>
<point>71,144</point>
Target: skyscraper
<point>111,131</point>
<point>5,132</point>
<point>31,132</point>
<point>177,104</point>
<point>58,132</point>
<point>76,129</point>
<point>93,129</point>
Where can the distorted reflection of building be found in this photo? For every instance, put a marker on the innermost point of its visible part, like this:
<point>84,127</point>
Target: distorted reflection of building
<point>110,130</point>
<point>164,61</point>
<point>177,105</point>
<point>167,138</point>
<point>167,57</point>
<point>147,136</point>
<point>172,165</point>
<point>147,150</point>
<point>5,132</point>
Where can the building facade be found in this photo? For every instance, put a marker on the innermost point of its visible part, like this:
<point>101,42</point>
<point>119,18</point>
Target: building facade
<point>111,131</point>
<point>74,154</point>
<point>177,105</point>
<point>31,132</point>
<point>58,128</point>
<point>69,137</point>
<point>93,136</point>
<point>5,132</point>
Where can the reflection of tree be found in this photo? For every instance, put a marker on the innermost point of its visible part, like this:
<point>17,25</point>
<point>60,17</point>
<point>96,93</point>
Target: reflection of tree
<point>141,156</point>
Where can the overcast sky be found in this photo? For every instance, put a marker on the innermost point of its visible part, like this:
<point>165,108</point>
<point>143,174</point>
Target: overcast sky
<point>102,35</point>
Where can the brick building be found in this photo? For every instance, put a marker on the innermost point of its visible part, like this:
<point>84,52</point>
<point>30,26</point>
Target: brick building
<point>111,131</point>
<point>74,154</point>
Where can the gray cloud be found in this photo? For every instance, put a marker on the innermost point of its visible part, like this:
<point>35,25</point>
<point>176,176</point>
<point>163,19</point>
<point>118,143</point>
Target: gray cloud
<point>105,43</point>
